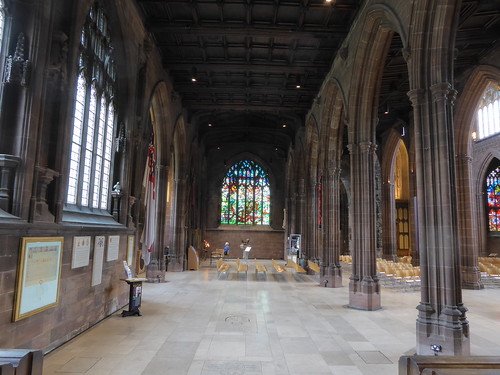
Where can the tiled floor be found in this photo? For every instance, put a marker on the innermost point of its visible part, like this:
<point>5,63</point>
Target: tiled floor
<point>197,324</point>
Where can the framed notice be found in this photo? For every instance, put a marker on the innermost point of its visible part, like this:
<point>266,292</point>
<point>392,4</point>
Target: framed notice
<point>81,252</point>
<point>130,249</point>
<point>38,275</point>
<point>99,244</point>
<point>113,248</point>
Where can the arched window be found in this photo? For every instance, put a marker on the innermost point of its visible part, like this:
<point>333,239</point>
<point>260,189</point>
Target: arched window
<point>488,114</point>
<point>2,20</point>
<point>94,117</point>
<point>493,197</point>
<point>246,195</point>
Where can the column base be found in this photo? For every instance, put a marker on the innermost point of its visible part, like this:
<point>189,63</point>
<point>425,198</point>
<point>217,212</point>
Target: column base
<point>471,278</point>
<point>331,276</point>
<point>445,334</point>
<point>364,295</point>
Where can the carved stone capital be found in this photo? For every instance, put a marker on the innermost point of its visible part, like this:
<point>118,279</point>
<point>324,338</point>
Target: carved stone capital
<point>440,91</point>
<point>416,96</point>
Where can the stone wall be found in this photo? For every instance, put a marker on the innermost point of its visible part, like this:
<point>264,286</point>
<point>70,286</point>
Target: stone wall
<point>79,306</point>
<point>265,243</point>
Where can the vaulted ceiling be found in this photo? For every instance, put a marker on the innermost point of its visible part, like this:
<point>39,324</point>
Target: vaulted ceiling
<point>249,70</point>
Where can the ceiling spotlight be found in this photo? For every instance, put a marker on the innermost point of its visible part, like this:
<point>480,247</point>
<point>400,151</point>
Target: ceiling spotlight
<point>194,74</point>
<point>386,112</point>
<point>284,125</point>
<point>210,124</point>
<point>298,83</point>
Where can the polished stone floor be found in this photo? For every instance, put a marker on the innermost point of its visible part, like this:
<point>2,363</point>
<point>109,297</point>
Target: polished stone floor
<point>286,323</point>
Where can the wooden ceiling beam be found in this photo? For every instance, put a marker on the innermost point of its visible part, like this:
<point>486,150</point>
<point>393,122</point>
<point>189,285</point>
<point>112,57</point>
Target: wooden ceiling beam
<point>223,67</point>
<point>163,25</point>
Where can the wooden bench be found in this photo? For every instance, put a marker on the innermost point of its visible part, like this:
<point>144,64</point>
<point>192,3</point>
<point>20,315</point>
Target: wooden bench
<point>313,266</point>
<point>222,267</point>
<point>298,268</point>
<point>216,254</point>
<point>279,268</point>
<point>241,267</point>
<point>260,268</point>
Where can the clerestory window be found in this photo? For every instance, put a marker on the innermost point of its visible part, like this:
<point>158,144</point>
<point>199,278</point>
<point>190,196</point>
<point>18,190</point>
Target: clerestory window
<point>2,20</point>
<point>493,199</point>
<point>245,195</point>
<point>94,117</point>
<point>488,114</point>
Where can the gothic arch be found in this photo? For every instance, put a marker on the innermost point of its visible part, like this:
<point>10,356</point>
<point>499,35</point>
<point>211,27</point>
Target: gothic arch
<point>380,24</point>
<point>467,105</point>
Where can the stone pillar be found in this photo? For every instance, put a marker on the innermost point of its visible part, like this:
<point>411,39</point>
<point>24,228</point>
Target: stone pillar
<point>364,287</point>
<point>130,217</point>
<point>441,314</point>
<point>388,221</point>
<point>330,266</point>
<point>300,211</point>
<point>161,196</point>
<point>8,165</point>
<point>180,227</point>
<point>45,177</point>
<point>467,222</point>
<point>313,224</point>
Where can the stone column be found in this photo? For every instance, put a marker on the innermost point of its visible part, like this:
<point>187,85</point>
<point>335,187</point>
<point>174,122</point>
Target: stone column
<point>180,223</point>
<point>364,287</point>
<point>441,314</point>
<point>299,217</point>
<point>45,177</point>
<point>389,239</point>
<point>467,222</point>
<point>330,265</point>
<point>8,166</point>
<point>312,221</point>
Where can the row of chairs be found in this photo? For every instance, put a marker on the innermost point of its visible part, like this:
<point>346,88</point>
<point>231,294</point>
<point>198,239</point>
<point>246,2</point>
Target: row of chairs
<point>490,270</point>
<point>398,274</point>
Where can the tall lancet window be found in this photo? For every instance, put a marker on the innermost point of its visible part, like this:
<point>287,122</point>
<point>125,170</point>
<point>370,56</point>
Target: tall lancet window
<point>246,195</point>
<point>94,117</point>
<point>2,20</point>
<point>488,114</point>
<point>493,197</point>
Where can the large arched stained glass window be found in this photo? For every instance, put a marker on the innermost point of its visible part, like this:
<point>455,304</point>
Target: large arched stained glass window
<point>246,195</point>
<point>493,194</point>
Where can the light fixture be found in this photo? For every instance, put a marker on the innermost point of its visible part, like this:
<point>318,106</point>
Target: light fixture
<point>403,132</point>
<point>386,112</point>
<point>210,124</point>
<point>298,83</point>
<point>194,75</point>
<point>283,126</point>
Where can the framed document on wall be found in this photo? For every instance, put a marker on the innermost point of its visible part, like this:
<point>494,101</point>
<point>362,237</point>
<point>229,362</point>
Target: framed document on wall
<point>38,275</point>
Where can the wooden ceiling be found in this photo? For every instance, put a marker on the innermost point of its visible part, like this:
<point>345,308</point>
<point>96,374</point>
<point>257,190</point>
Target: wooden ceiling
<point>258,64</point>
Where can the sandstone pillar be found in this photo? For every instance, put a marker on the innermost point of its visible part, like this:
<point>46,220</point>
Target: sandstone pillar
<point>364,287</point>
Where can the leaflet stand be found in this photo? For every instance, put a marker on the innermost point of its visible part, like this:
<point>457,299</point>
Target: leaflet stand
<point>135,296</point>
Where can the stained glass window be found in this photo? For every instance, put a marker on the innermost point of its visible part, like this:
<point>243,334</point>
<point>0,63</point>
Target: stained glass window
<point>493,196</point>
<point>246,195</point>
<point>488,114</point>
<point>94,117</point>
